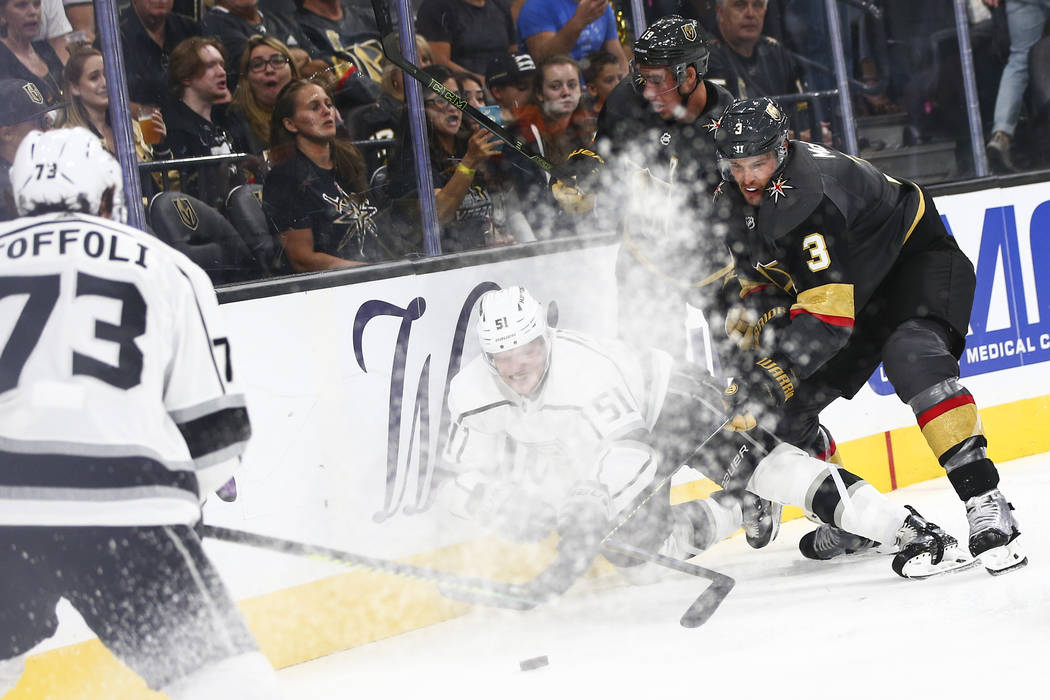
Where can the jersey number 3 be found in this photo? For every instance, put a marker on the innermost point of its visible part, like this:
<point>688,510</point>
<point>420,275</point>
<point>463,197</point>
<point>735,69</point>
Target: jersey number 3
<point>43,292</point>
<point>818,252</point>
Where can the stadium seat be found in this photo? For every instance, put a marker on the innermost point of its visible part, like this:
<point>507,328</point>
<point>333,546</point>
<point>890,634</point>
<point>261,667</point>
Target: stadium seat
<point>203,235</point>
<point>245,211</point>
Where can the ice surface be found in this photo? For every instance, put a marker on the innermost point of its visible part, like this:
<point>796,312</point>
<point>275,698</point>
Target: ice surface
<point>791,628</point>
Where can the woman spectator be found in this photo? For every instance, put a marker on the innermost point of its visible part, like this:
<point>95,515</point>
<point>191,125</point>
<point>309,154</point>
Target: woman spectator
<point>464,201</point>
<point>265,67</point>
<point>316,193</point>
<point>556,123</point>
<point>472,91</point>
<point>20,57</point>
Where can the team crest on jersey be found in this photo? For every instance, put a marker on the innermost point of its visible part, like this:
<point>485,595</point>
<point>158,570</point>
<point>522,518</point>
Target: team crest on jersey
<point>187,213</point>
<point>665,138</point>
<point>749,221</point>
<point>33,92</point>
<point>777,189</point>
<point>713,125</point>
<point>689,30</point>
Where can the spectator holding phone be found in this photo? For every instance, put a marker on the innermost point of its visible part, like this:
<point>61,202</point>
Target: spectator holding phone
<point>573,27</point>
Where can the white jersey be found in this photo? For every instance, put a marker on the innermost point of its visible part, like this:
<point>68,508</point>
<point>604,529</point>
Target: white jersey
<point>588,423</point>
<point>117,401</point>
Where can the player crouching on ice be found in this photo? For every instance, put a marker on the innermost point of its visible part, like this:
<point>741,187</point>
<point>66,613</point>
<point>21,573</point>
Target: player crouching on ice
<point>870,275</point>
<point>558,431</point>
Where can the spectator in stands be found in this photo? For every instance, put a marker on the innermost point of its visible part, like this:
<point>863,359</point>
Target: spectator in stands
<point>573,27</point>
<point>23,57</point>
<point>234,22</point>
<point>149,32</point>
<point>464,202</point>
<point>81,15</point>
<point>511,80</point>
<point>196,126</point>
<point>555,123</point>
<point>54,27</point>
<point>22,110</point>
<point>466,34</point>
<point>601,73</point>
<point>1026,20</point>
<point>316,194</point>
<point>85,83</point>
<point>266,66</point>
<point>472,91</point>
<point>345,35</point>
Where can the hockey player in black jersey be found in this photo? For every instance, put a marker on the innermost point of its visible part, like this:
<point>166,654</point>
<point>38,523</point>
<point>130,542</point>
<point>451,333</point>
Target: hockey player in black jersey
<point>872,275</point>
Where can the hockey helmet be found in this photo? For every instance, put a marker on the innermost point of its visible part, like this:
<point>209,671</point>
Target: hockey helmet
<point>750,128</point>
<point>509,318</point>
<point>675,42</point>
<point>65,170</point>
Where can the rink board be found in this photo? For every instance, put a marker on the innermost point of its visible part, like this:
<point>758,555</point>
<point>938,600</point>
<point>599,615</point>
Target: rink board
<point>346,387</point>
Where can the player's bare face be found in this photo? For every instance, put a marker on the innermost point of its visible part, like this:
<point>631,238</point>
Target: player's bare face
<point>522,368</point>
<point>443,117</point>
<point>661,90</point>
<point>753,174</point>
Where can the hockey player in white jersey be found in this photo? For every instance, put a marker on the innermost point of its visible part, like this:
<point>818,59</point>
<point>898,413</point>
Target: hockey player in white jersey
<point>118,410</point>
<point>555,430</point>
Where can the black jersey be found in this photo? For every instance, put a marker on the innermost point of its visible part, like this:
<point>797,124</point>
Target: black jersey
<point>828,232</point>
<point>662,176</point>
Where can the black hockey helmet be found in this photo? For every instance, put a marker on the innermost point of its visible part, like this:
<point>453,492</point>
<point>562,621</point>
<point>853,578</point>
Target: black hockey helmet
<point>750,128</point>
<point>675,42</point>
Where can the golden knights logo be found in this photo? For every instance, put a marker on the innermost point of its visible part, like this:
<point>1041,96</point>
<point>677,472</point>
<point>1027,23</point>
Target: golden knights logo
<point>689,30</point>
<point>186,212</point>
<point>777,189</point>
<point>33,92</point>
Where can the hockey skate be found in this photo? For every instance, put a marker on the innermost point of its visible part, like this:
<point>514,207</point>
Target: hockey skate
<point>828,542</point>
<point>760,518</point>
<point>926,550</point>
<point>994,532</point>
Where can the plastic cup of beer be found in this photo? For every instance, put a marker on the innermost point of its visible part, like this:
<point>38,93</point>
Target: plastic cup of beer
<point>149,127</point>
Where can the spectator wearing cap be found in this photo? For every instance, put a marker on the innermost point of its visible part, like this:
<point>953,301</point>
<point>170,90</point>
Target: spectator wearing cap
<point>573,27</point>
<point>466,35</point>
<point>22,109</point>
<point>511,80</point>
<point>24,57</point>
<point>149,32</point>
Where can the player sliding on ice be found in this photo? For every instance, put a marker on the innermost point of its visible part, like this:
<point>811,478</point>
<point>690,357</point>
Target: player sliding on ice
<point>558,431</point>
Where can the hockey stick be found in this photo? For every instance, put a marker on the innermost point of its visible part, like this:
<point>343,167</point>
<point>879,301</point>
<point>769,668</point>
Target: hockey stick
<point>392,49</point>
<point>481,591</point>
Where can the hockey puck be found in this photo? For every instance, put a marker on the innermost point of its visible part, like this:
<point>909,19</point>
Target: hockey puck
<point>535,662</point>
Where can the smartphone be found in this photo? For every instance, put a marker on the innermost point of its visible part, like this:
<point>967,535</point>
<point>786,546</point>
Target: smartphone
<point>493,113</point>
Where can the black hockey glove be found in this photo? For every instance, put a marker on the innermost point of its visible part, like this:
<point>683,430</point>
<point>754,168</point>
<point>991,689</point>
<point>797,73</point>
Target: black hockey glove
<point>766,386</point>
<point>577,181</point>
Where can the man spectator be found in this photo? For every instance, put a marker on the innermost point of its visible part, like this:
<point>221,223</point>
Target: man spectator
<point>233,22</point>
<point>577,28</point>
<point>750,64</point>
<point>22,109</point>
<point>344,34</point>
<point>197,78</point>
<point>466,34</point>
<point>511,78</point>
<point>149,32</point>
<point>1026,21</point>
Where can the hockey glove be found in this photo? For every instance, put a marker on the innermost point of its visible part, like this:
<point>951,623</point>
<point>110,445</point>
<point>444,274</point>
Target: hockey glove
<point>766,386</point>
<point>506,509</point>
<point>577,181</point>
<point>584,517</point>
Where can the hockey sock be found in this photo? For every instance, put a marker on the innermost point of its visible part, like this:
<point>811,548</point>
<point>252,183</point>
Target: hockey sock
<point>948,418</point>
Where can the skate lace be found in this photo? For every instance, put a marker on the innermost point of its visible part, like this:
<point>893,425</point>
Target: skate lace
<point>986,513</point>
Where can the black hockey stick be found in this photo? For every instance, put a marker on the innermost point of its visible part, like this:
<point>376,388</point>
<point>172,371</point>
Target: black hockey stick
<point>392,49</point>
<point>498,594</point>
<point>707,602</point>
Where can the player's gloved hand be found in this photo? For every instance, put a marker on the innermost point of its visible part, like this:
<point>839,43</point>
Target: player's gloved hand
<point>766,385</point>
<point>506,509</point>
<point>577,180</point>
<point>584,517</point>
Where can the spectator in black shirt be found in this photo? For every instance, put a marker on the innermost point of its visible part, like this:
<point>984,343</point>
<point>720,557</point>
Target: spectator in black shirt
<point>316,194</point>
<point>344,35</point>
<point>233,22</point>
<point>149,32</point>
<point>466,34</point>
<point>21,57</point>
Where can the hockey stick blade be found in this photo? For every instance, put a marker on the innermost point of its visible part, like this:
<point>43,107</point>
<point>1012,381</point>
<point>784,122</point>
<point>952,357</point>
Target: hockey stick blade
<point>465,589</point>
<point>706,603</point>
<point>392,49</point>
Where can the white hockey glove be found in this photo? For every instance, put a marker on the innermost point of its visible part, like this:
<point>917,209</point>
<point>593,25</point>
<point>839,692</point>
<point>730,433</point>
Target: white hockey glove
<point>506,509</point>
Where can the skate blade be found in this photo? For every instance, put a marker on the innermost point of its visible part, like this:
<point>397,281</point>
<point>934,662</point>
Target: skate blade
<point>1002,560</point>
<point>953,561</point>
